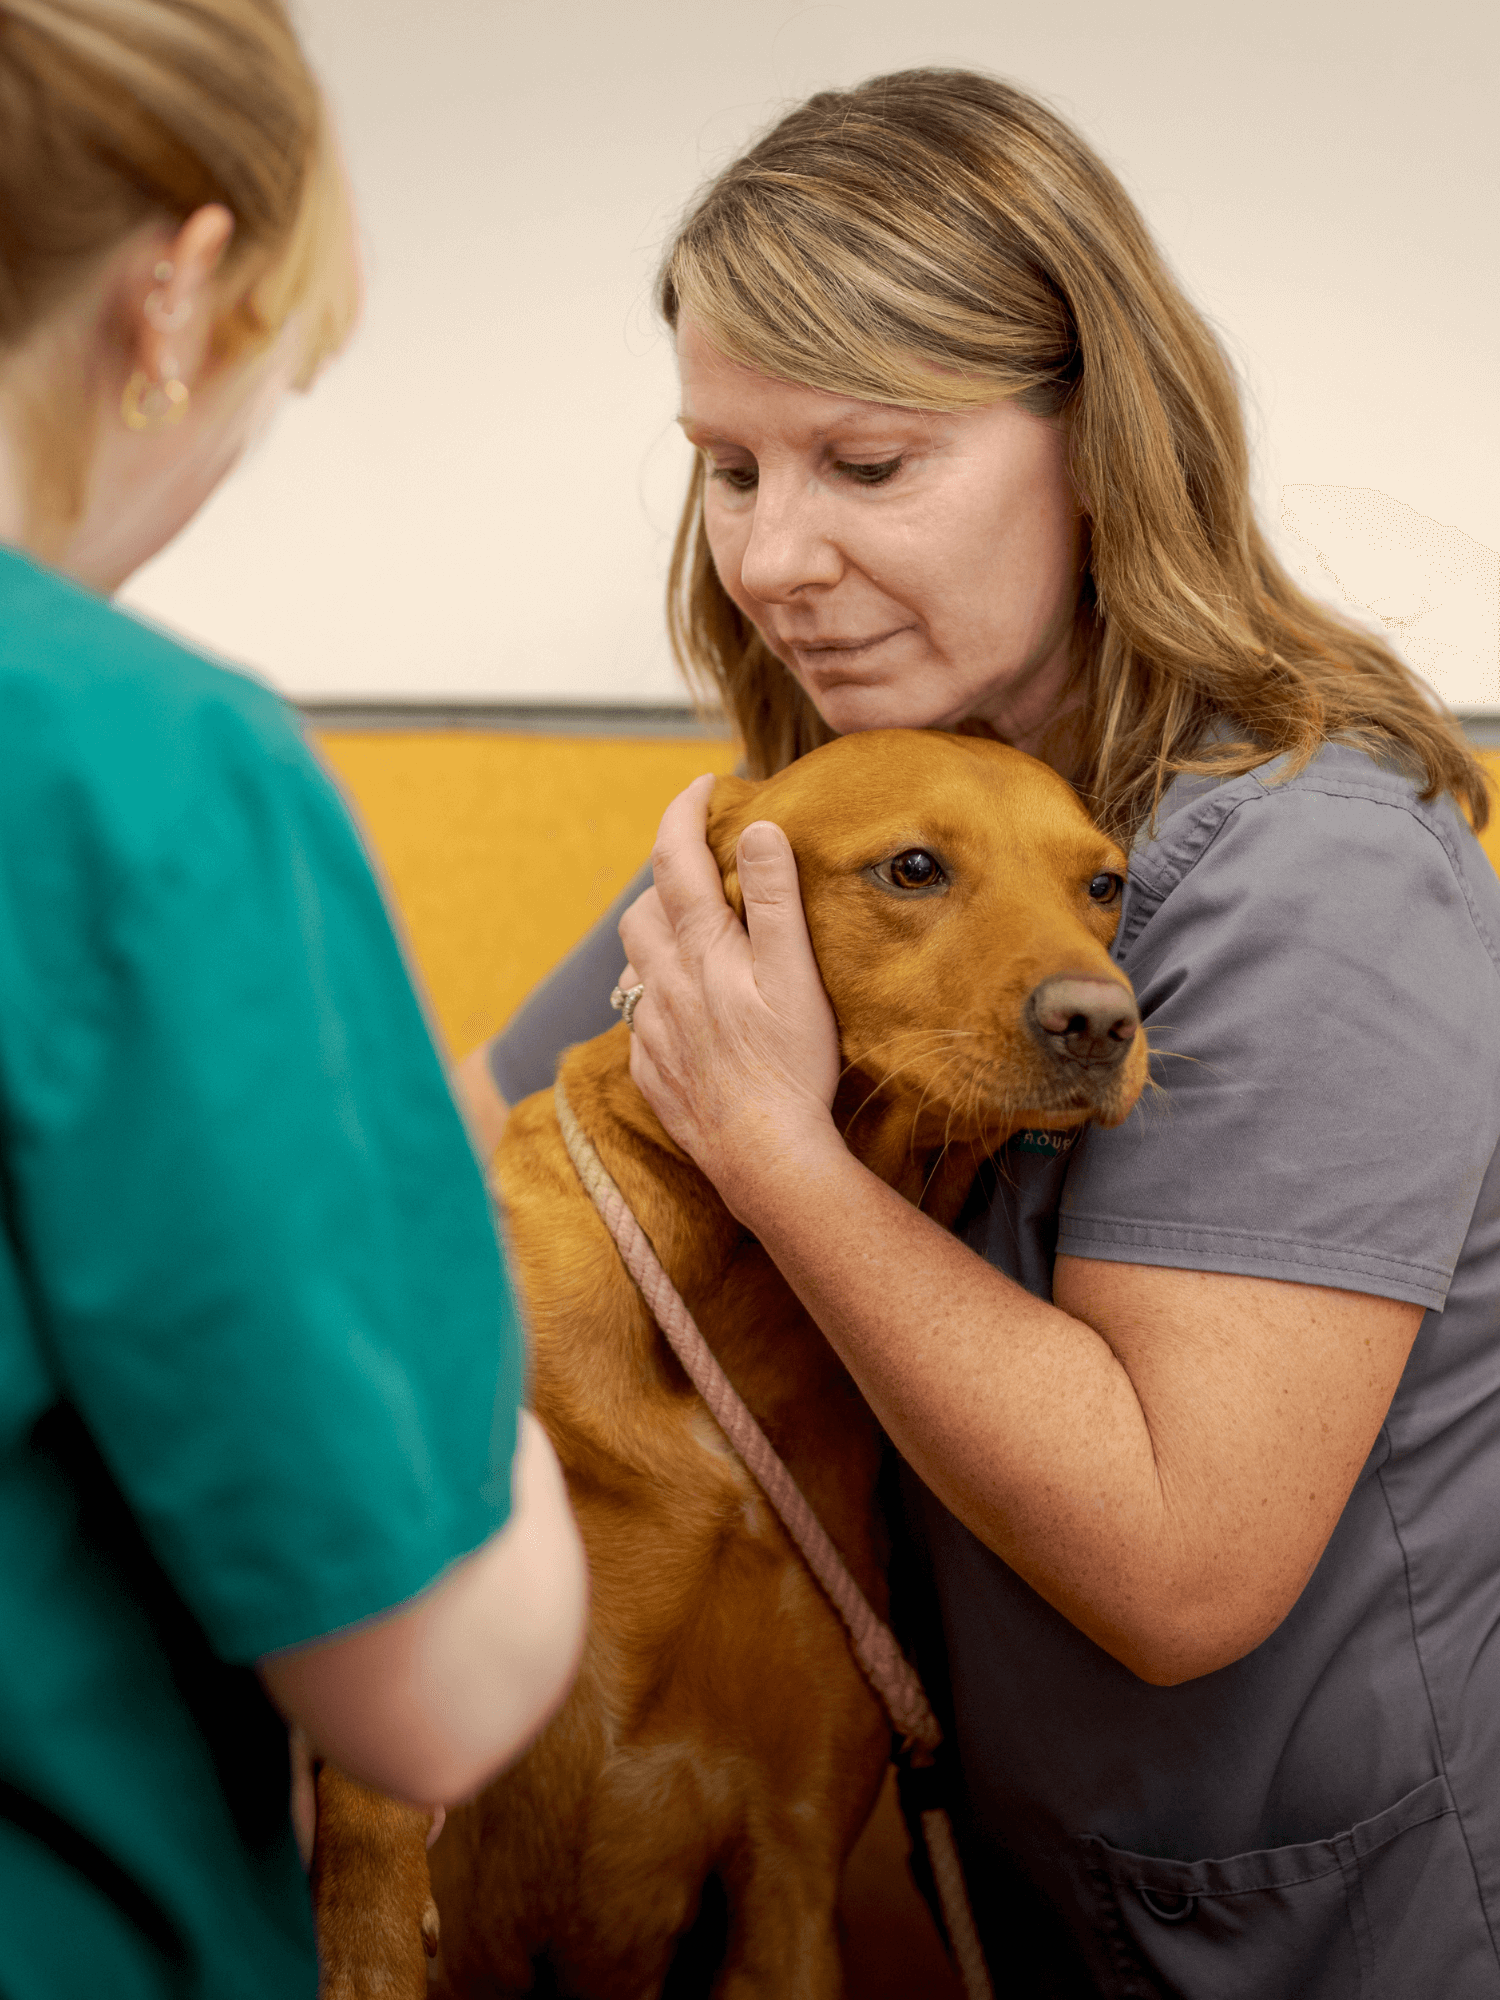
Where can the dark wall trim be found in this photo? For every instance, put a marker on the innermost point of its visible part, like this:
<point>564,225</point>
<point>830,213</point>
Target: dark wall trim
<point>515,717</point>
<point>526,718</point>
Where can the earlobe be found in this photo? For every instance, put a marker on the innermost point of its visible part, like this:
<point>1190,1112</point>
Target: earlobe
<point>154,406</point>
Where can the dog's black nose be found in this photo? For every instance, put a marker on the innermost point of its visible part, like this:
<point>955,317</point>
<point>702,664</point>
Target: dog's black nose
<point>1088,1020</point>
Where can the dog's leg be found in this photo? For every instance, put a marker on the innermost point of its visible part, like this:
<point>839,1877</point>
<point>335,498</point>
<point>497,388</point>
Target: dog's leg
<point>377,1922</point>
<point>783,1941</point>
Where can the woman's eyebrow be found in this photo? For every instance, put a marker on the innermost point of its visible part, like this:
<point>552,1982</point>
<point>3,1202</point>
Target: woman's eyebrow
<point>852,412</point>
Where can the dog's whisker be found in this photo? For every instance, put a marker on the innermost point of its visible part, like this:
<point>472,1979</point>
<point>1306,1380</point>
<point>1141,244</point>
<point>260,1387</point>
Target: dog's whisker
<point>930,1087</point>
<point>930,1036</point>
<point>888,1077</point>
<point>932,1172</point>
<point>1177,1055</point>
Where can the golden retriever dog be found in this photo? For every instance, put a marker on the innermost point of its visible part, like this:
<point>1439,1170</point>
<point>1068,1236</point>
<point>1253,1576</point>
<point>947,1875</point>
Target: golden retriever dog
<point>720,1744</point>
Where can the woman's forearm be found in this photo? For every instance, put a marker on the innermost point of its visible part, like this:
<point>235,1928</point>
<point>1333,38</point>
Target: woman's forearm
<point>480,1101</point>
<point>1162,1454</point>
<point>1019,1417</point>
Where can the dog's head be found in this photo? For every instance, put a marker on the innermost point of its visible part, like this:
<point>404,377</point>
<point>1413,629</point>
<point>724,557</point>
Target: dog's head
<point>961,904</point>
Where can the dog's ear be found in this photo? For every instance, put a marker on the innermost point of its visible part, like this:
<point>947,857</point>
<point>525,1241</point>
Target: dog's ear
<point>730,810</point>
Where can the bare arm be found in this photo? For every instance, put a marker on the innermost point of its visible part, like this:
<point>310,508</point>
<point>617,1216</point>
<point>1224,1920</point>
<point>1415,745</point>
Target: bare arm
<point>427,1702</point>
<point>480,1101</point>
<point>1161,1454</point>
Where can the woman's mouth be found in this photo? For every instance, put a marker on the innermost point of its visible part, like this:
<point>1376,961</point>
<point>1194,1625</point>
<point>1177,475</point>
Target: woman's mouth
<point>837,659</point>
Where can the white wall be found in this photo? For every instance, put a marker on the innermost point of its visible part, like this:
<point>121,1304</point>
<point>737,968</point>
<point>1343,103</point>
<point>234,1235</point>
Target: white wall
<point>477,502</point>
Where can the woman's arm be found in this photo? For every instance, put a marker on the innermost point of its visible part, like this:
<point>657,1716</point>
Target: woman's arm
<point>480,1101</point>
<point>1162,1454</point>
<point>429,1701</point>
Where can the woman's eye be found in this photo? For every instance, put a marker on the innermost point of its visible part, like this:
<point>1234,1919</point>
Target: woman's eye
<point>738,478</point>
<point>915,869</point>
<point>870,475</point>
<point>1106,888</point>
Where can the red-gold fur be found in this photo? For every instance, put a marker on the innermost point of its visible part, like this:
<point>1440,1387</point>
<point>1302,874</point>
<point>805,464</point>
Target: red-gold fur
<point>719,1724</point>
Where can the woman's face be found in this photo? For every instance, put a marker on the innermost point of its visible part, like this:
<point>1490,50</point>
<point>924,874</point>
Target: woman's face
<point>912,569</point>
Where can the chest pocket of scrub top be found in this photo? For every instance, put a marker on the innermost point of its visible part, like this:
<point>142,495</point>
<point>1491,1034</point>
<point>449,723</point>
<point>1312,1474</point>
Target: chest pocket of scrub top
<point>1386,1911</point>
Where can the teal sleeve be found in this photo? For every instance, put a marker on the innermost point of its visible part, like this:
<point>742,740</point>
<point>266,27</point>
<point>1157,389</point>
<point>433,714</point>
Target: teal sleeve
<point>261,1252</point>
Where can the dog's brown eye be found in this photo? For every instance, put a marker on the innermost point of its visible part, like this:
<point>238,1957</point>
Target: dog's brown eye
<point>1106,888</point>
<point>915,869</point>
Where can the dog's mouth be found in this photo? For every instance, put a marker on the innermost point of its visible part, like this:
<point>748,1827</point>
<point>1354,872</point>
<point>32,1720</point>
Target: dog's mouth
<point>1099,1094</point>
<point>979,1096</point>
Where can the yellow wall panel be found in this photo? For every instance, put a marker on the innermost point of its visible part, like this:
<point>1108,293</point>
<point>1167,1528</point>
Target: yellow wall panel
<point>1490,838</point>
<point>501,850</point>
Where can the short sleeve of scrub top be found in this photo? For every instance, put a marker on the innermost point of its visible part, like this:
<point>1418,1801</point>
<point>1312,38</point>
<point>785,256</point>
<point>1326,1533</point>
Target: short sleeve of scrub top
<point>1323,1027</point>
<point>259,1363</point>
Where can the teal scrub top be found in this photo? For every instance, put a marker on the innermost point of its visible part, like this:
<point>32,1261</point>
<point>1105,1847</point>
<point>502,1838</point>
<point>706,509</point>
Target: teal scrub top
<point>259,1363</point>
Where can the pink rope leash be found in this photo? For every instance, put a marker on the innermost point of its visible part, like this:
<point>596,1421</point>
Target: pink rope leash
<point>874,1644</point>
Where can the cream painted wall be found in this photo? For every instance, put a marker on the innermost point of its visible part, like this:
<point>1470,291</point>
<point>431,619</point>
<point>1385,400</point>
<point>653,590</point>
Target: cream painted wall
<point>477,502</point>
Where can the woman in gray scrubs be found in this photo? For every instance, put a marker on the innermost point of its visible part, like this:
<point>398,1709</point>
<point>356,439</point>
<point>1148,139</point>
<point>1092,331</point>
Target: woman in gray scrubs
<point>1200,1421</point>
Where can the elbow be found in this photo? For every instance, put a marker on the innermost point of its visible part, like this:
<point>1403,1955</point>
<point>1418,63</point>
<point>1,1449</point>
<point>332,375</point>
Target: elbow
<point>450,1740</point>
<point>1166,1667</point>
<point>499,1715</point>
<point>1168,1651</point>
<point>537,1680</point>
<point>431,1703</point>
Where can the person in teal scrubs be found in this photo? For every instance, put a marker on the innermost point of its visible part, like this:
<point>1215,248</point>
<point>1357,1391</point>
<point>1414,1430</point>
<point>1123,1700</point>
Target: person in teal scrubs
<point>262,1455</point>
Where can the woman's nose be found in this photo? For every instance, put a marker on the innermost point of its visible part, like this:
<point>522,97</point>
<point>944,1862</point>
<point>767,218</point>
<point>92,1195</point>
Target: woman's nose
<point>790,544</point>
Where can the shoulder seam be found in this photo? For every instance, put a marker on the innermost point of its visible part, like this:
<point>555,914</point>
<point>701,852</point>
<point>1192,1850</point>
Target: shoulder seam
<point>1211,815</point>
<point>1429,822</point>
<point>1152,893</point>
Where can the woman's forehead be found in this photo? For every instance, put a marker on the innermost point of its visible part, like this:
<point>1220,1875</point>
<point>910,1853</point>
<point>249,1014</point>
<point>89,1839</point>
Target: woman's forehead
<point>718,391</point>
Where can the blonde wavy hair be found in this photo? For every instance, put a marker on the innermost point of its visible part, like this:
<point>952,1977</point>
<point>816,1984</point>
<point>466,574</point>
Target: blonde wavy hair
<point>117,113</point>
<point>939,239</point>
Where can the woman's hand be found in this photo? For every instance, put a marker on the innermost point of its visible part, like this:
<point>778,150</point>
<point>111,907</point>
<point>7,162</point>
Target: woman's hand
<point>735,1045</point>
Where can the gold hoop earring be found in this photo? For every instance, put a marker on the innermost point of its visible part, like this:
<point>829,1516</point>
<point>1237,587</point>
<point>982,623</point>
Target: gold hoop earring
<point>153,406</point>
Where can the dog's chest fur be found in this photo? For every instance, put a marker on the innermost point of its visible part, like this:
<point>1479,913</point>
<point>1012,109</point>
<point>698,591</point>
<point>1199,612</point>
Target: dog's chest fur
<point>717,1692</point>
<point>652,1478</point>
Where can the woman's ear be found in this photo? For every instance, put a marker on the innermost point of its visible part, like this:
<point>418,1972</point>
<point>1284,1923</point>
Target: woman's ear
<point>170,336</point>
<point>730,811</point>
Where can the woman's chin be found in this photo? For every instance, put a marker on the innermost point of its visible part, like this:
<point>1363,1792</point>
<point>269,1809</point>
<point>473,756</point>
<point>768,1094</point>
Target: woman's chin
<point>851,710</point>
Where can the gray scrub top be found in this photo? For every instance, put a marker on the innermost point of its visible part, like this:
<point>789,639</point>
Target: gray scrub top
<point>1318,963</point>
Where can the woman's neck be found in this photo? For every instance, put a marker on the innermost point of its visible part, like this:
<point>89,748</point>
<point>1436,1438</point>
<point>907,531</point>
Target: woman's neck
<point>1044,717</point>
